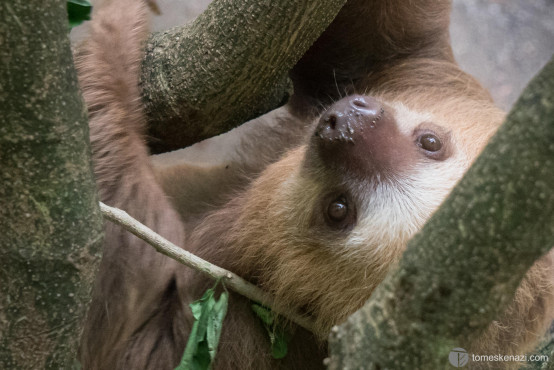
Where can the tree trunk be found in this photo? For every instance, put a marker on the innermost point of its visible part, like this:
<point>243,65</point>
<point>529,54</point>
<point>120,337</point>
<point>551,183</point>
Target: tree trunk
<point>50,222</point>
<point>230,65</point>
<point>465,265</point>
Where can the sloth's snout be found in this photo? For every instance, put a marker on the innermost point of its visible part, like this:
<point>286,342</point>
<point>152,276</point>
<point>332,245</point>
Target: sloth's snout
<point>346,120</point>
<point>360,134</point>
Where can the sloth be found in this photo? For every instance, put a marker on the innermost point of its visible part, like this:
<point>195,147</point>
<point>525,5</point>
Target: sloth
<point>315,206</point>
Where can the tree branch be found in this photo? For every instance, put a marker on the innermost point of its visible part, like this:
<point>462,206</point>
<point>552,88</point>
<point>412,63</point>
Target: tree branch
<point>230,279</point>
<point>475,250</point>
<point>230,65</point>
<point>50,244</point>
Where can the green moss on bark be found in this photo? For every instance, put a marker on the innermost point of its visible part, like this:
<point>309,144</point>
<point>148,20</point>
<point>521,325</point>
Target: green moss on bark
<point>230,65</point>
<point>49,220</point>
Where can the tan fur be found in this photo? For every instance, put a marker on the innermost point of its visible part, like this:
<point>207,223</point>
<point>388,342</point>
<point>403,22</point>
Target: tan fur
<point>259,214</point>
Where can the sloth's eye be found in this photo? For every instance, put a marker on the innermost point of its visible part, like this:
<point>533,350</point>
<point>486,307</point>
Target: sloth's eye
<point>337,210</point>
<point>429,142</point>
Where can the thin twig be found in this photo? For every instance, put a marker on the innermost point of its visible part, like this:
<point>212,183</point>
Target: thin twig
<point>231,280</point>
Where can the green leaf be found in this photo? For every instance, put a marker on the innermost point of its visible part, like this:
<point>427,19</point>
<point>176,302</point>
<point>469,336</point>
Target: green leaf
<point>78,11</point>
<point>278,336</point>
<point>201,348</point>
<point>279,346</point>
<point>215,322</point>
<point>200,305</point>
<point>265,314</point>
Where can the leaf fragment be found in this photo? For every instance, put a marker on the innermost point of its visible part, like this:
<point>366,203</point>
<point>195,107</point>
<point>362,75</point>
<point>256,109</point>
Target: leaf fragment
<point>209,314</point>
<point>78,11</point>
<point>279,337</point>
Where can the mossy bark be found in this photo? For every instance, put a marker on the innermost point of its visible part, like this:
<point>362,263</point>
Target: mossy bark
<point>463,268</point>
<point>230,65</point>
<point>50,223</point>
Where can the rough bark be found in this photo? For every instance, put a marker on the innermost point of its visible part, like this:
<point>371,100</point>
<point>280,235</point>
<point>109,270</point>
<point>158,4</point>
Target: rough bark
<point>465,265</point>
<point>50,221</point>
<point>228,66</point>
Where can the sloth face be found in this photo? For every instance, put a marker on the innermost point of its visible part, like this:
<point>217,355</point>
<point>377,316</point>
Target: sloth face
<point>324,224</point>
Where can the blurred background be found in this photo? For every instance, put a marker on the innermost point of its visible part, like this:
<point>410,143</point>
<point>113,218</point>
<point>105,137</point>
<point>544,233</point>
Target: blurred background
<point>503,43</point>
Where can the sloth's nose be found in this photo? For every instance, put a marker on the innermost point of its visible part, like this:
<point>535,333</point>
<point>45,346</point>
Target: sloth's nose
<point>359,134</point>
<point>346,119</point>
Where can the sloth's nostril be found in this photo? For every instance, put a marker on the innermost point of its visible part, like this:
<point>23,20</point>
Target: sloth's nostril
<point>332,120</point>
<point>360,103</point>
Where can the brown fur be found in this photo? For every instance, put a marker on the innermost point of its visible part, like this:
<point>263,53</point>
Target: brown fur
<point>367,37</point>
<point>259,215</point>
<point>124,316</point>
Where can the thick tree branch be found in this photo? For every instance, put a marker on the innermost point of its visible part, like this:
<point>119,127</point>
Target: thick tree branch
<point>228,66</point>
<point>475,250</point>
<point>50,221</point>
<point>230,279</point>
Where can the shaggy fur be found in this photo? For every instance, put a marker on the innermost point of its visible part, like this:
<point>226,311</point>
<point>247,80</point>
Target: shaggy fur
<point>261,214</point>
<point>131,322</point>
